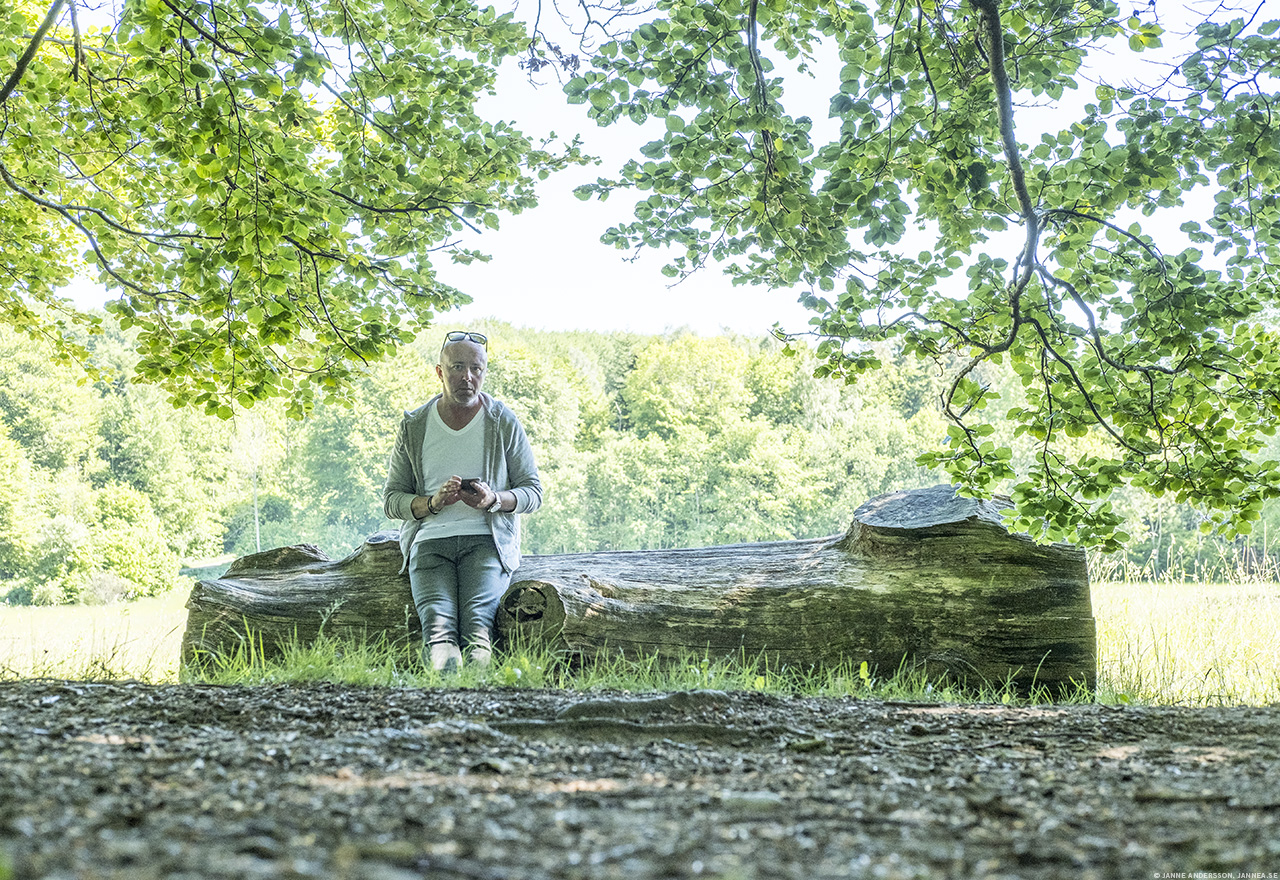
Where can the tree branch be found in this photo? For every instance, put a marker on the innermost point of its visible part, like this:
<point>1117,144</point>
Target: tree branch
<point>68,213</point>
<point>25,60</point>
<point>1082,387</point>
<point>924,63</point>
<point>990,20</point>
<point>761,90</point>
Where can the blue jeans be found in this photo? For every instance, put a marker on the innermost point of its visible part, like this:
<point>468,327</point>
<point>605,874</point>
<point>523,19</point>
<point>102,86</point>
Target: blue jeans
<point>456,584</point>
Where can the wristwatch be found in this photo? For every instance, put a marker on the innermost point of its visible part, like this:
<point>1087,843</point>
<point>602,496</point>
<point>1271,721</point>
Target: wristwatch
<point>496,506</point>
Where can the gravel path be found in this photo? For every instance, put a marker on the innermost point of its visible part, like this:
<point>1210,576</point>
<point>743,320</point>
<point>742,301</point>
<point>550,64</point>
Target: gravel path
<point>142,781</point>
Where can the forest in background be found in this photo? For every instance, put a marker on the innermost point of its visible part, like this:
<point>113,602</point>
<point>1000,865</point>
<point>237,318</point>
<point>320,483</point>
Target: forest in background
<point>108,492</point>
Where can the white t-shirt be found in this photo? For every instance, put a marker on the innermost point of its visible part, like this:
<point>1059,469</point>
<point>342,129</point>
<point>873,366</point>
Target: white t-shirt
<point>446,452</point>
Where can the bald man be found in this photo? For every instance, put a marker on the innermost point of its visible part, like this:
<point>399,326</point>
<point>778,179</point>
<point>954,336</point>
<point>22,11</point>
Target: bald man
<point>460,473</point>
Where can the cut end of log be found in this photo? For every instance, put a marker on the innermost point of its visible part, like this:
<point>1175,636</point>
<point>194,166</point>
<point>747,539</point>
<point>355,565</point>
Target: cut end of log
<point>903,522</point>
<point>532,612</point>
<point>928,508</point>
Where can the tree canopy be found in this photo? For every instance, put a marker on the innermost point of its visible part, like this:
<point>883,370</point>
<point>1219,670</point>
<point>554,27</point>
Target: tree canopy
<point>262,186</point>
<point>1121,262</point>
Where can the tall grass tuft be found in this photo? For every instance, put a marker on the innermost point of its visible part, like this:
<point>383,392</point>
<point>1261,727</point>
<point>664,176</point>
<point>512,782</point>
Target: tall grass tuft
<point>359,664</point>
<point>520,666</point>
<point>1188,644</point>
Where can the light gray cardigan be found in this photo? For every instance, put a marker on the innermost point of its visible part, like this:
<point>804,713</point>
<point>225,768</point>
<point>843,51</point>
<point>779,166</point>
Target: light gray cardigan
<point>508,465</point>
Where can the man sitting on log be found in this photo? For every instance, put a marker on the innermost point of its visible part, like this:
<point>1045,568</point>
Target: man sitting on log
<point>460,556</point>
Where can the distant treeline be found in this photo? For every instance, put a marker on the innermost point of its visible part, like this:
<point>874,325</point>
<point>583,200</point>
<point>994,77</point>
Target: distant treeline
<point>643,442</point>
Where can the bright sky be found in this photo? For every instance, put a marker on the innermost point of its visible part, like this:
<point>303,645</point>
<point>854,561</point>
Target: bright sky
<point>550,269</point>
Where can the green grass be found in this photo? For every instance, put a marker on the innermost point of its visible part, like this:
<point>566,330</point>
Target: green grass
<point>384,665</point>
<point>1180,644</point>
<point>134,640</point>
<point>1188,644</point>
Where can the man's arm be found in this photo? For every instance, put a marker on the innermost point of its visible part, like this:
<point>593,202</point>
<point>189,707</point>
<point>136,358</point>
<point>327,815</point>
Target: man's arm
<point>524,485</point>
<point>400,498</point>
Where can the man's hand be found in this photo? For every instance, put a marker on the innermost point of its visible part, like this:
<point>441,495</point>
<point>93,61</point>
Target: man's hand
<point>450,492</point>
<point>478,495</point>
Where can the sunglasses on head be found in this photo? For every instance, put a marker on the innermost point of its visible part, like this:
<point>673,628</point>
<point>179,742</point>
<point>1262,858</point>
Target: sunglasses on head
<point>467,335</point>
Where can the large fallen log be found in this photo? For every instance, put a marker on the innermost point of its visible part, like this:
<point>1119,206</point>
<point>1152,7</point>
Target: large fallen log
<point>922,579</point>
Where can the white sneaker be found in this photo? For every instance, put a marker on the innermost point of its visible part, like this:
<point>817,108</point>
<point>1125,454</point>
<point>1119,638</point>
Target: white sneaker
<point>445,656</point>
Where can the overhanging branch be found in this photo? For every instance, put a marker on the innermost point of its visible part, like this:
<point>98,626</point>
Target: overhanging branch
<point>991,28</point>
<point>30,52</point>
<point>761,92</point>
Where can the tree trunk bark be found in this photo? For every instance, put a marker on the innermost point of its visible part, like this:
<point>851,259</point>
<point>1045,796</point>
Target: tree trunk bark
<point>922,581</point>
<point>291,595</point>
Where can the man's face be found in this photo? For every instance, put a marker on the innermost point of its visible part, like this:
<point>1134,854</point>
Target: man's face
<point>461,371</point>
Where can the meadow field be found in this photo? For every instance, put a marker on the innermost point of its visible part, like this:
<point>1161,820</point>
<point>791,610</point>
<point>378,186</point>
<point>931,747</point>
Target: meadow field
<point>1186,644</point>
<point>137,640</point>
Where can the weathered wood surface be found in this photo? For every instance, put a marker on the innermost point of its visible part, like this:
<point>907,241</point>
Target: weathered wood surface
<point>266,599</point>
<point>921,578</point>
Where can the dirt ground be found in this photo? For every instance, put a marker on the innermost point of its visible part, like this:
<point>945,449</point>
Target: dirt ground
<point>142,781</point>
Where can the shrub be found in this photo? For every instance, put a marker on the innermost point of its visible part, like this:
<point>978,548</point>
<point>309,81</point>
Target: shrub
<point>130,542</point>
<point>62,560</point>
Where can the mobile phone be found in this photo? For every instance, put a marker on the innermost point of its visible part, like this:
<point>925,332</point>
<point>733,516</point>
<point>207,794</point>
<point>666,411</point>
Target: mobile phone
<point>469,486</point>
